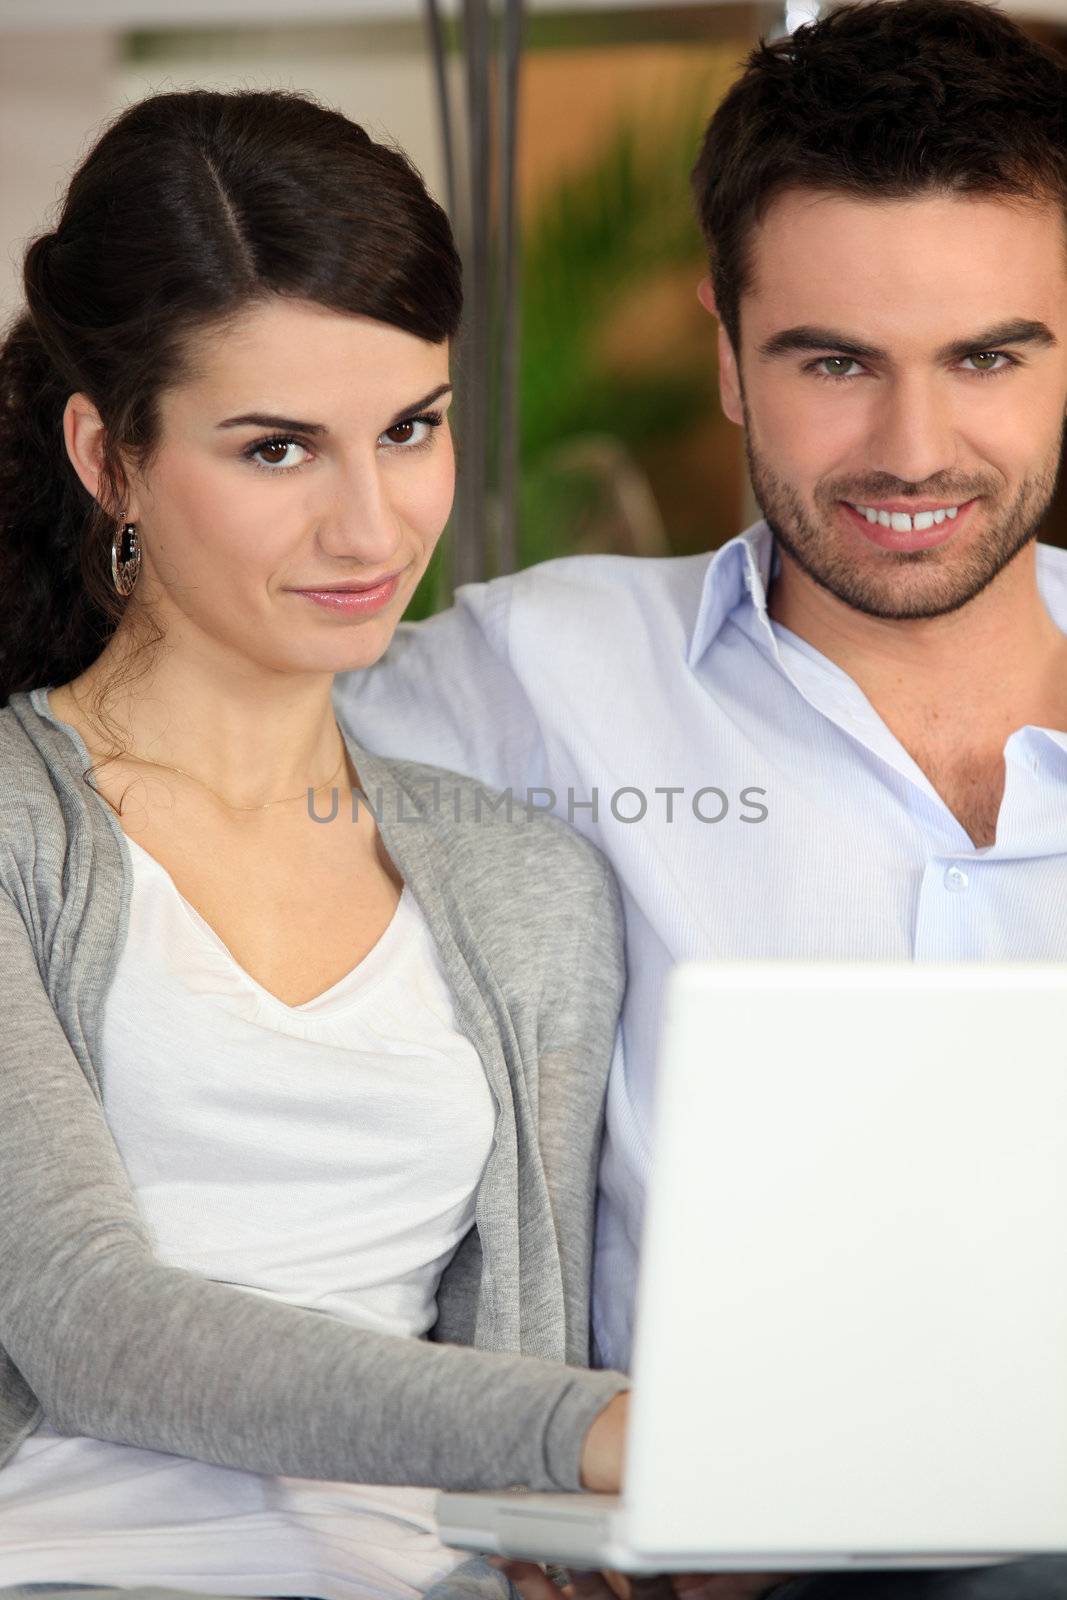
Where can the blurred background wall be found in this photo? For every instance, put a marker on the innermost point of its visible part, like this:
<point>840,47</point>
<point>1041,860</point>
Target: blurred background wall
<point>622,445</point>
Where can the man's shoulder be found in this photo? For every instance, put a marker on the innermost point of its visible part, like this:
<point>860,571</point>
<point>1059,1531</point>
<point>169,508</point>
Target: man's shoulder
<point>590,600</point>
<point>610,577</point>
<point>1052,563</point>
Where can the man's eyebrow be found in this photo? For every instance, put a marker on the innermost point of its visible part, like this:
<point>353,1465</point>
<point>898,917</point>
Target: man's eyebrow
<point>1019,330</point>
<point>261,419</point>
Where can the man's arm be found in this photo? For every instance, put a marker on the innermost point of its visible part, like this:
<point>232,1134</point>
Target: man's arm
<point>445,693</point>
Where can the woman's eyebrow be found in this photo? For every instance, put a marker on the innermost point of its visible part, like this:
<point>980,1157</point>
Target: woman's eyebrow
<point>262,419</point>
<point>420,405</point>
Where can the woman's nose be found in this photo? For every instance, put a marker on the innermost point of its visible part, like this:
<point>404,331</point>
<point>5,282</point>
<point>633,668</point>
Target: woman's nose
<point>360,520</point>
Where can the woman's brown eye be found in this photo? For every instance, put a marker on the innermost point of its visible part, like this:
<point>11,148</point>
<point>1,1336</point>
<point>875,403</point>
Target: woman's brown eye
<point>404,429</point>
<point>281,445</point>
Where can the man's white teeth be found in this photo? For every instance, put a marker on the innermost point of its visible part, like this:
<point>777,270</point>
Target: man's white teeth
<point>900,522</point>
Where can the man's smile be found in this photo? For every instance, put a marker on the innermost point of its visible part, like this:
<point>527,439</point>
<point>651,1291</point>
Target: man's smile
<point>894,529</point>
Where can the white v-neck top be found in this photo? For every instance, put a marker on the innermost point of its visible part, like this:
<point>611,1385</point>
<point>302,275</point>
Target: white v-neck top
<point>326,1154</point>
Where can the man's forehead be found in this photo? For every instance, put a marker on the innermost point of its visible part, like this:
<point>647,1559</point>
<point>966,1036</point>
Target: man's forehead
<point>799,205</point>
<point>922,270</point>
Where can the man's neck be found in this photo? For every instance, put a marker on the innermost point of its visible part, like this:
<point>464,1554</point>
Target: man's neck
<point>952,688</point>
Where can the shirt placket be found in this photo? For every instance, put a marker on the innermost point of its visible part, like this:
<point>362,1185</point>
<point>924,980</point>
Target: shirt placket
<point>948,907</point>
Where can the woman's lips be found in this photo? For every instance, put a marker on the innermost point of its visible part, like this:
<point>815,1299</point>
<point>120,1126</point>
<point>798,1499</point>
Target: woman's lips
<point>354,601</point>
<point>924,539</point>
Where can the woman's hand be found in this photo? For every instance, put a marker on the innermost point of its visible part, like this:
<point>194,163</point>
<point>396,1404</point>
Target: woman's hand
<point>533,1583</point>
<point>601,1473</point>
<point>605,1442</point>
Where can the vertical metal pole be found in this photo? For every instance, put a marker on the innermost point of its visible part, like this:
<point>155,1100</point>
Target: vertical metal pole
<point>509,320</point>
<point>486,368</point>
<point>439,57</point>
<point>457,202</point>
<point>469,543</point>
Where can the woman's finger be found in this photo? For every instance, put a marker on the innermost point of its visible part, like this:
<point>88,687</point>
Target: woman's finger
<point>531,1580</point>
<point>729,1585</point>
<point>654,1586</point>
<point>593,1585</point>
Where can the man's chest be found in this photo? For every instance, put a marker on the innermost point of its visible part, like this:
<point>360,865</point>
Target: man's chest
<point>967,765</point>
<point>970,783</point>
<point>789,834</point>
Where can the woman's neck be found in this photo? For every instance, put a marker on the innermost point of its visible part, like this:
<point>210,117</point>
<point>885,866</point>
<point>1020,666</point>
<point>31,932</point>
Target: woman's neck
<point>247,733</point>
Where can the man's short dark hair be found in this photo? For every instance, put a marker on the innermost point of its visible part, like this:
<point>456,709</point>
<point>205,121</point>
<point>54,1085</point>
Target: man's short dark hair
<point>880,99</point>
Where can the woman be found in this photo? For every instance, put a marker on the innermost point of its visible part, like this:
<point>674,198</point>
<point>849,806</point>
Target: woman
<point>305,1050</point>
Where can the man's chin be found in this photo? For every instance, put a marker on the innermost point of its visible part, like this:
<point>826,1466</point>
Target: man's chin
<point>901,585</point>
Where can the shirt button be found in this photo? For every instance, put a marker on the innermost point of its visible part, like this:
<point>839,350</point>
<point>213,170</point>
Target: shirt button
<point>956,880</point>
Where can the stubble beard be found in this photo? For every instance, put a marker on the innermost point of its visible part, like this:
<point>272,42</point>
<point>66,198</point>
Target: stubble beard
<point>908,584</point>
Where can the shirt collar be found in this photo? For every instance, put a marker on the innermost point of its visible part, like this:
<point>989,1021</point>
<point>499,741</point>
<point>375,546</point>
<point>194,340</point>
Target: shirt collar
<point>742,566</point>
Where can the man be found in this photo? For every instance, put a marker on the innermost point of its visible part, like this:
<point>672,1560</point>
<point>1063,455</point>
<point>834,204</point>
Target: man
<point>844,734</point>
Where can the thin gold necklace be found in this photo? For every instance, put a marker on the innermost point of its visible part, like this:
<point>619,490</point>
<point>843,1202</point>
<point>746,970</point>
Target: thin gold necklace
<point>263,804</point>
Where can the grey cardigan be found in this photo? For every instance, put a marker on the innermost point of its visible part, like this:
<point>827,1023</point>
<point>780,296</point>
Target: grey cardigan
<point>106,1340</point>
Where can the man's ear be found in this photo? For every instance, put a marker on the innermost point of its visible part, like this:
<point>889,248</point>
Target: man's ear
<point>729,380</point>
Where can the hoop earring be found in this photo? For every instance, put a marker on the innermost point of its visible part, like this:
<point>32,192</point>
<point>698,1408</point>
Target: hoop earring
<point>125,558</point>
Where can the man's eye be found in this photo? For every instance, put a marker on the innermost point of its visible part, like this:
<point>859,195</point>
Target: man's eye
<point>990,355</point>
<point>830,361</point>
<point>838,364</point>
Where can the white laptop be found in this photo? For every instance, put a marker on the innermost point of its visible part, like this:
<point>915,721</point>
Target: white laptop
<point>851,1334</point>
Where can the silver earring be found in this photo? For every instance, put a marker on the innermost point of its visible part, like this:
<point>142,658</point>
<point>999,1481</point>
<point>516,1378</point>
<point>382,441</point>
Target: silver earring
<point>125,558</point>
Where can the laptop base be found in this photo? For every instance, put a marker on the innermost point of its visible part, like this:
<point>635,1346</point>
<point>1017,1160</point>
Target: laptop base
<point>588,1530</point>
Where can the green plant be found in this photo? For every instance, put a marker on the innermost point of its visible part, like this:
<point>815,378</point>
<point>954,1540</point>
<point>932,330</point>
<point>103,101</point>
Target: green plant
<point>620,221</point>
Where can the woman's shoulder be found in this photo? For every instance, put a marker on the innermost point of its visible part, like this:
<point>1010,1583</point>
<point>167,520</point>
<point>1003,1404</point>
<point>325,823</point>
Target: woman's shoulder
<point>538,905</point>
<point>27,794</point>
<point>28,744</point>
<point>500,843</point>
<point>15,742</point>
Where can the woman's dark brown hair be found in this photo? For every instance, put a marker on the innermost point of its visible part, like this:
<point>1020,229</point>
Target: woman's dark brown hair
<point>880,100</point>
<point>189,209</point>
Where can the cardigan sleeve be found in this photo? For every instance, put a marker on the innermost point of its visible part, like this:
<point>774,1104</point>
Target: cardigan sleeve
<point>119,1345</point>
<point>580,1038</point>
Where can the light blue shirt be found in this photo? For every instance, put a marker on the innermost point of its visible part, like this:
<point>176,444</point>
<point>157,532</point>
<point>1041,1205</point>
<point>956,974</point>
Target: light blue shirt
<point>799,825</point>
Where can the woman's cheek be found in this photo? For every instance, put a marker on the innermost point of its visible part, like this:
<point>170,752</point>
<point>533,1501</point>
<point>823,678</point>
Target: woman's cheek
<point>432,498</point>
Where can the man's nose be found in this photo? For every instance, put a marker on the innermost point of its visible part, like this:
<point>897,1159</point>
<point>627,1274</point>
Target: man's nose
<point>914,433</point>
